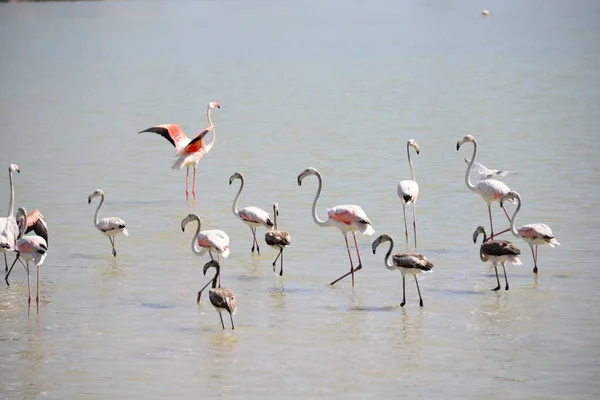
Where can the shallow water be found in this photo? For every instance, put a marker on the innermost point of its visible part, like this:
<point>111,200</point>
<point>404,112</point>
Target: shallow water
<point>337,87</point>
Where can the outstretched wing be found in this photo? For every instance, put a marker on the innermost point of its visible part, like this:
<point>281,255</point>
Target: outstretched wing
<point>484,172</point>
<point>172,133</point>
<point>37,224</point>
<point>196,144</point>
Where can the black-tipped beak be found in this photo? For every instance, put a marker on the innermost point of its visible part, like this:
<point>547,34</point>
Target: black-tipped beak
<point>457,146</point>
<point>89,200</point>
<point>418,152</point>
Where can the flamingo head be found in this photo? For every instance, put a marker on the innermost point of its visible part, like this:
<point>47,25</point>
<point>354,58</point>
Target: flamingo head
<point>480,230</point>
<point>190,217</point>
<point>235,176</point>
<point>14,168</point>
<point>213,104</point>
<point>381,239</point>
<point>305,173</point>
<point>466,139</point>
<point>511,196</point>
<point>21,218</point>
<point>96,193</point>
<point>413,143</point>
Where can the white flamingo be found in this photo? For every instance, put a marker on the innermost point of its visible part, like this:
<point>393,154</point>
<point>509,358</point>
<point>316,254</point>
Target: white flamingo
<point>221,298</point>
<point>347,218</point>
<point>254,217</point>
<point>278,239</point>
<point>533,234</point>
<point>482,172</point>
<point>408,263</point>
<point>33,249</point>
<point>408,191</point>
<point>497,251</point>
<point>9,230</point>
<point>489,189</point>
<point>109,226</point>
<point>189,151</point>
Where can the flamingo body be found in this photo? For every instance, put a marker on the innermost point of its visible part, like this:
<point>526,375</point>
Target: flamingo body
<point>278,239</point>
<point>222,299</point>
<point>497,252</point>
<point>408,191</point>
<point>214,240</point>
<point>9,231</point>
<point>109,226</point>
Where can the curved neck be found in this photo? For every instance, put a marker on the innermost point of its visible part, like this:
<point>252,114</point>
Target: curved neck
<point>410,164</point>
<point>98,210</point>
<point>275,220</point>
<point>214,281</point>
<point>212,131</point>
<point>468,173</point>
<point>195,238</point>
<point>11,201</point>
<point>314,206</point>
<point>234,207</point>
<point>208,116</point>
<point>514,216</point>
<point>386,260</point>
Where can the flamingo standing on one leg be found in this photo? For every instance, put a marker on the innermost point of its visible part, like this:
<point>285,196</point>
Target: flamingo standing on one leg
<point>212,240</point>
<point>409,263</point>
<point>497,251</point>
<point>35,222</point>
<point>190,151</point>
<point>110,226</point>
<point>408,191</point>
<point>278,239</point>
<point>254,217</point>
<point>489,189</point>
<point>347,218</point>
<point>9,230</point>
<point>221,298</point>
<point>32,249</point>
<point>533,234</point>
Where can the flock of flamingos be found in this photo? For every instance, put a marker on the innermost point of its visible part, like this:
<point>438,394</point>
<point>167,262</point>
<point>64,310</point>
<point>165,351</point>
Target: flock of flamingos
<point>347,218</point>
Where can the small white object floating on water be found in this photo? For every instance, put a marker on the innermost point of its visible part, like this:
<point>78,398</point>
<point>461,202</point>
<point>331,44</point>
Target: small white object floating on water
<point>485,12</point>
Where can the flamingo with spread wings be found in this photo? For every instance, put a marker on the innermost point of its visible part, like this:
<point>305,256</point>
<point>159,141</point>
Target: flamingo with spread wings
<point>190,151</point>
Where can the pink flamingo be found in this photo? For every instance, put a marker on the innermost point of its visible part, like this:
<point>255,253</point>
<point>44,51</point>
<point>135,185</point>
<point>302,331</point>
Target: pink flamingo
<point>254,217</point>
<point>190,151</point>
<point>32,249</point>
<point>347,218</point>
<point>36,223</point>
<point>533,234</point>
<point>408,191</point>
<point>489,189</point>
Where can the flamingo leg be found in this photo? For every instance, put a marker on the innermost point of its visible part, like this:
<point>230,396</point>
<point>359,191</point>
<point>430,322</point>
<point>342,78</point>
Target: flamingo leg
<point>501,232</point>
<point>194,184</point>
<point>28,286</point>
<point>506,213</point>
<point>11,267</point>
<point>505,278</point>
<point>231,319</point>
<point>254,241</point>
<point>222,324</point>
<point>210,254</point>
<point>491,224</point>
<point>277,258</point>
<point>37,294</point>
<point>405,223</point>
<point>403,292</point>
<point>187,175</point>
<point>415,222</point>
<point>535,268</point>
<point>351,265</point>
<point>281,269</point>
<point>419,290</point>
<point>497,278</point>
<point>5,264</point>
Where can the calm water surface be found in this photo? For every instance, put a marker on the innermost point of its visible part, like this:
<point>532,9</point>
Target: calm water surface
<point>339,86</point>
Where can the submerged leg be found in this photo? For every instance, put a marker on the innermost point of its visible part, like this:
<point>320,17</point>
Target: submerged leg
<point>534,259</point>
<point>403,292</point>
<point>112,243</point>
<point>497,278</point>
<point>351,264</point>
<point>419,290</point>
<point>505,278</point>
<point>281,269</point>
<point>277,258</point>
<point>231,318</point>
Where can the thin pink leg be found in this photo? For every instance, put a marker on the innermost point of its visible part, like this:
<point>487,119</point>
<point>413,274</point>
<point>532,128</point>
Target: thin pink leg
<point>535,268</point>
<point>534,259</point>
<point>28,288</point>
<point>194,184</point>
<point>187,175</point>
<point>37,295</point>
<point>405,224</point>
<point>415,222</point>
<point>506,213</point>
<point>491,225</point>
<point>351,264</point>
<point>501,232</point>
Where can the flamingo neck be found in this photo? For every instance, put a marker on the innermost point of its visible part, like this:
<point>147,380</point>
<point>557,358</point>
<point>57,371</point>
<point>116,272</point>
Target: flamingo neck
<point>314,206</point>
<point>386,260</point>
<point>234,207</point>
<point>11,201</point>
<point>214,281</point>
<point>513,230</point>
<point>410,164</point>
<point>212,132</point>
<point>275,220</point>
<point>468,173</point>
<point>195,239</point>
<point>96,221</point>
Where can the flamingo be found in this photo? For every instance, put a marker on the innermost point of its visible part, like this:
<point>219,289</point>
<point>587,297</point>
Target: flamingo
<point>254,217</point>
<point>489,189</point>
<point>220,298</point>
<point>33,249</point>
<point>409,263</point>
<point>35,222</point>
<point>190,151</point>
<point>209,240</point>
<point>408,191</point>
<point>9,231</point>
<point>278,239</point>
<point>497,251</point>
<point>347,218</point>
<point>110,226</point>
<point>482,172</point>
<point>533,234</point>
